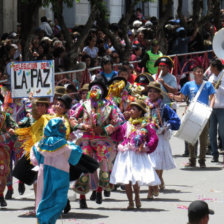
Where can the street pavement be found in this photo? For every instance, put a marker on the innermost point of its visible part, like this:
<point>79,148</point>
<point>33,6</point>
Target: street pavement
<point>183,185</point>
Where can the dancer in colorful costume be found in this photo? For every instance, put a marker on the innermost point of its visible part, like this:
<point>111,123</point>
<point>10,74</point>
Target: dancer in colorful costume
<point>53,154</point>
<point>132,165</point>
<point>165,119</point>
<point>97,118</point>
<point>7,139</point>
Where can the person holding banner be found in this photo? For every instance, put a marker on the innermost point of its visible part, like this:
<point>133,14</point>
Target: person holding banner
<point>217,116</point>
<point>190,89</point>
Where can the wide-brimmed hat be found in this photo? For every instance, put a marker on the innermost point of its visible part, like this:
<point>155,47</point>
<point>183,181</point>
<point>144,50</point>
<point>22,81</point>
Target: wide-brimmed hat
<point>67,100</point>
<point>155,85</point>
<point>44,100</point>
<point>59,90</point>
<point>140,104</point>
<point>165,60</point>
<point>99,82</point>
<point>117,79</point>
<point>85,87</point>
<point>144,78</point>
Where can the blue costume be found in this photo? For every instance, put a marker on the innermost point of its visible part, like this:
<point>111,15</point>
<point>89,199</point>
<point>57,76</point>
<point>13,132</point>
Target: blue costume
<point>53,154</point>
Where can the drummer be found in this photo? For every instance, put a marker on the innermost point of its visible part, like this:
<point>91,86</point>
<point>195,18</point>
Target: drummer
<point>190,90</point>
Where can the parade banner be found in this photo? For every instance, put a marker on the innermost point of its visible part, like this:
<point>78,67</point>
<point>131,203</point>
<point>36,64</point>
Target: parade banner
<point>32,76</point>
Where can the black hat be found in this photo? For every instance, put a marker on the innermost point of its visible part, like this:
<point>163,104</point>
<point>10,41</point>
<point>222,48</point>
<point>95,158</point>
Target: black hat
<point>99,82</point>
<point>198,209</point>
<point>164,59</point>
<point>67,100</point>
<point>117,79</point>
<point>144,78</point>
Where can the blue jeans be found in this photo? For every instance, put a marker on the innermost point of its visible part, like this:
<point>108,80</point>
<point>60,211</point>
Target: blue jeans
<point>216,121</point>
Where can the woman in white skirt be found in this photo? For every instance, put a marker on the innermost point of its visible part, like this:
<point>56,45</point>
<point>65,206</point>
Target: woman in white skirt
<point>132,165</point>
<point>165,119</point>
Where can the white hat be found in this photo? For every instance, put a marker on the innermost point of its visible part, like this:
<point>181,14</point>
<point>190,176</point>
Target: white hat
<point>148,23</point>
<point>137,23</point>
<point>46,38</point>
<point>141,29</point>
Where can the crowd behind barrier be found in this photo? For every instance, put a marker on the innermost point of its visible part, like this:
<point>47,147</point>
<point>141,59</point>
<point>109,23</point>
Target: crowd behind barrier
<point>182,68</point>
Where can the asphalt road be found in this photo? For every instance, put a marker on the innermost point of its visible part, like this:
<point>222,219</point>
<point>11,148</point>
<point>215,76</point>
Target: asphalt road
<point>183,185</point>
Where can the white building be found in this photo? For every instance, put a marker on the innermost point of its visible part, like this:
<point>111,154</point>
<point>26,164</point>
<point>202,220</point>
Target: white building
<point>79,13</point>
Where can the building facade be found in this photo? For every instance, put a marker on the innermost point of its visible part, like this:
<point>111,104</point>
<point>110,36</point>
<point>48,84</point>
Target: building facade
<point>79,13</point>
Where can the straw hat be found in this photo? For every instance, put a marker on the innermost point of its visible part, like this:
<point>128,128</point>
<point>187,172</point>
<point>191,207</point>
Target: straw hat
<point>85,87</point>
<point>140,104</point>
<point>59,91</point>
<point>44,100</point>
<point>155,85</point>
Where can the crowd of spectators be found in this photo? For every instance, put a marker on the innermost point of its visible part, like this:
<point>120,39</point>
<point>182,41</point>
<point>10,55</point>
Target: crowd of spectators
<point>48,42</point>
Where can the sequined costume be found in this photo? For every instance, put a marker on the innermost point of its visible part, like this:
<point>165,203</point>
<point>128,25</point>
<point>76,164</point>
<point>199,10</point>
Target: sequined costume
<point>105,115</point>
<point>6,145</point>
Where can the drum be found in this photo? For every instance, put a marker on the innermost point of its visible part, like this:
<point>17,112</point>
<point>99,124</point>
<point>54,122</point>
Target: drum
<point>193,122</point>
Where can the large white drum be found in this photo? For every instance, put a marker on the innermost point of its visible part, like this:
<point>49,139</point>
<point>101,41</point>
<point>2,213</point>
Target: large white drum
<point>193,122</point>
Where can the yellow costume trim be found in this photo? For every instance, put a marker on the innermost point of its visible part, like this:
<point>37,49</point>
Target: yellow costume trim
<point>31,135</point>
<point>45,150</point>
<point>116,88</point>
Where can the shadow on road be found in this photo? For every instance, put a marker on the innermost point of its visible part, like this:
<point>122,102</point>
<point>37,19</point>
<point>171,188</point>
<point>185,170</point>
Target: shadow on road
<point>72,215</point>
<point>201,169</point>
<point>164,199</point>
<point>23,199</point>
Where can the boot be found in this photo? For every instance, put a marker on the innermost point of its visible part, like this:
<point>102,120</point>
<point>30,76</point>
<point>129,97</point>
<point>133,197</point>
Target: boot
<point>9,194</point>
<point>82,203</point>
<point>93,196</point>
<point>202,163</point>
<point>106,193</point>
<point>67,207</point>
<point>191,163</point>
<point>2,202</point>
<point>21,188</point>
<point>99,197</point>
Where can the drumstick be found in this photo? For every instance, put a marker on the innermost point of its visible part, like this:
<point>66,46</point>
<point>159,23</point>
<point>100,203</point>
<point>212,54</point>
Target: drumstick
<point>160,73</point>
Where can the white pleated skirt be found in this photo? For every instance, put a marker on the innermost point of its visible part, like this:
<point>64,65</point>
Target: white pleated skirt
<point>130,166</point>
<point>162,158</point>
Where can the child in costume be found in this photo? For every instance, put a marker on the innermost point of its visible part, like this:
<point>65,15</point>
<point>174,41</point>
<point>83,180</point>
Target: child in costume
<point>165,119</point>
<point>53,154</point>
<point>132,165</point>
